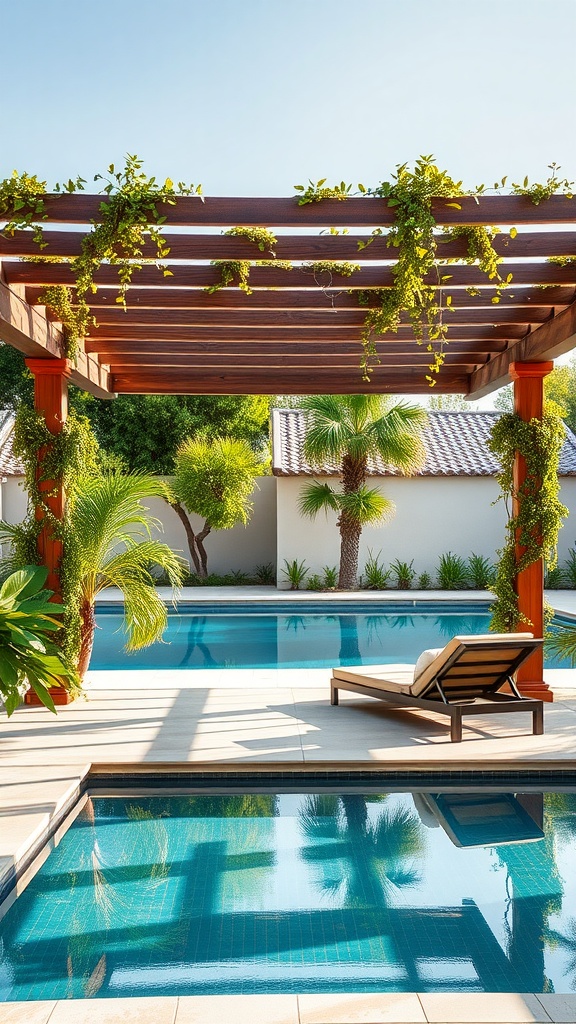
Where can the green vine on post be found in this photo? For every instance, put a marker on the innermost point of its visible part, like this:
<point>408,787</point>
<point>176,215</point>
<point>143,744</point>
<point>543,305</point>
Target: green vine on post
<point>538,521</point>
<point>60,458</point>
<point>76,318</point>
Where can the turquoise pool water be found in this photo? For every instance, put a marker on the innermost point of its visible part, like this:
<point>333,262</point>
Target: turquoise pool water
<point>357,890</point>
<point>317,636</point>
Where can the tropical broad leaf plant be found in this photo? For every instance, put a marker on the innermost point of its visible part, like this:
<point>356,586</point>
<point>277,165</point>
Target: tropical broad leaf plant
<point>29,656</point>
<point>349,430</point>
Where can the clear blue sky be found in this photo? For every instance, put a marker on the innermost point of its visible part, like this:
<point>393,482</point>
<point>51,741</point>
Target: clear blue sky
<point>249,97</point>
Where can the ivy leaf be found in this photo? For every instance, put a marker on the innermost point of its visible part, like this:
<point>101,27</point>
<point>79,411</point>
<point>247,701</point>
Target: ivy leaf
<point>513,232</point>
<point>455,206</point>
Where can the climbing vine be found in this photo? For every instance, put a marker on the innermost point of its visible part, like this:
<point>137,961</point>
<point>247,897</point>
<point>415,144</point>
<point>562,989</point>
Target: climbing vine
<point>76,318</point>
<point>539,517</point>
<point>236,273</point>
<point>50,459</point>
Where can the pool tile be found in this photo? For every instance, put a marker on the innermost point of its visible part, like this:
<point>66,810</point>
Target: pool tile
<point>26,1013</point>
<point>237,1010</point>
<point>560,1008</point>
<point>340,1008</point>
<point>150,1010</point>
<point>482,1008</point>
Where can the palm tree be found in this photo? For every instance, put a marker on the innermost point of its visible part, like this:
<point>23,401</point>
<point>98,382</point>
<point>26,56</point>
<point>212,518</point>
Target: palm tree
<point>113,534</point>
<point>351,429</point>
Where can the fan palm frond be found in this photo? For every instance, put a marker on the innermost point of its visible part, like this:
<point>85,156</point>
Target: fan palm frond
<point>366,505</point>
<point>317,497</point>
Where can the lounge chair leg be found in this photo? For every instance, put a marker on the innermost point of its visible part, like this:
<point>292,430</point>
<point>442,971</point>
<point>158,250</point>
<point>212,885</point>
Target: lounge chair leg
<point>456,726</point>
<point>538,720</point>
<point>333,694</point>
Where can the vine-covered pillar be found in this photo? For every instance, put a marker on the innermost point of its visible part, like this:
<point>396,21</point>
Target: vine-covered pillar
<point>51,401</point>
<point>528,405</point>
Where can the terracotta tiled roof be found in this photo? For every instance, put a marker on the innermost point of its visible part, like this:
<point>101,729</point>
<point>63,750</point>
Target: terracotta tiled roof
<point>9,464</point>
<point>456,445</point>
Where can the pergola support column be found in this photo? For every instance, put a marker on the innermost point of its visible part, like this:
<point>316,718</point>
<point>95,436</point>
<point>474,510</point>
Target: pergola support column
<point>51,400</point>
<point>529,404</point>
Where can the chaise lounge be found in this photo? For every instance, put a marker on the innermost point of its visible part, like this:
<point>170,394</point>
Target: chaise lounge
<point>465,678</point>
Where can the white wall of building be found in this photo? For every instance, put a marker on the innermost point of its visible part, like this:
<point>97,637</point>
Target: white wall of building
<point>433,515</point>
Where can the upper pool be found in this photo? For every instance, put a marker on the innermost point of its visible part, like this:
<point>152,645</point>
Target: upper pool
<point>311,635</point>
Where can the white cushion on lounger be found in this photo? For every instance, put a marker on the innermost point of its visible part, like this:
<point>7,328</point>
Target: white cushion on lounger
<point>425,659</point>
<point>393,678</point>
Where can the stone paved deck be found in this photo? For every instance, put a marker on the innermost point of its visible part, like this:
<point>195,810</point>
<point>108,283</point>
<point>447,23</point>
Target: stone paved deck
<point>249,719</point>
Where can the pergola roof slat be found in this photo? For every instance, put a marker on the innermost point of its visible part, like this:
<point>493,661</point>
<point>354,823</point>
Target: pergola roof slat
<point>294,247</point>
<point>82,208</point>
<point>299,330</point>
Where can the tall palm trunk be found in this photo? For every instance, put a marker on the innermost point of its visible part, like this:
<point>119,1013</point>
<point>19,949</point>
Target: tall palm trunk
<point>353,476</point>
<point>350,531</point>
<point>87,628</point>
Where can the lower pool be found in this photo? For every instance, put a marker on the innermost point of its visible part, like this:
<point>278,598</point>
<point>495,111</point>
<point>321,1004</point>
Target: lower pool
<point>314,636</point>
<point>443,888</point>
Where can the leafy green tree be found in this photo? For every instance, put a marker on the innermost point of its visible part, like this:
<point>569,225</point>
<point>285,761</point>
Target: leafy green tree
<point>350,429</point>
<point>214,479</point>
<point>145,431</point>
<point>28,654</point>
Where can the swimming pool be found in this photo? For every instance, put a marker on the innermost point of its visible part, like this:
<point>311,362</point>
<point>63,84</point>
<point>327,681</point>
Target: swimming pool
<point>292,636</point>
<point>257,890</point>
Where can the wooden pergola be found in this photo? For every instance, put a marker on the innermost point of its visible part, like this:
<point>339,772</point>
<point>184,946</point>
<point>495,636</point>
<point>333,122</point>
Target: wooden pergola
<point>299,332</point>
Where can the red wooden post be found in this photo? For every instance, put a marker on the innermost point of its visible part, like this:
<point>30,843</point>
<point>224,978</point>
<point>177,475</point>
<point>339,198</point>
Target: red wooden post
<point>51,399</point>
<point>528,404</point>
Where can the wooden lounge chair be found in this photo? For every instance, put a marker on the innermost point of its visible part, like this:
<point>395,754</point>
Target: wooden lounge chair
<point>463,679</point>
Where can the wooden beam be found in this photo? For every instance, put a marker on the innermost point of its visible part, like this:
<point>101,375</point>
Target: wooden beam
<point>485,338</point>
<point>304,361</point>
<point>185,328</point>
<point>205,276</point>
<point>155,302</point>
<point>199,382</point>
<point>549,341</point>
<point>149,350</point>
<point>295,247</point>
<point>215,211</point>
<point>27,329</point>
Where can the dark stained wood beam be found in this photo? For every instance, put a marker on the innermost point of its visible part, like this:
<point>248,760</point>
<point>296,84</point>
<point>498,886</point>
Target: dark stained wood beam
<point>295,247</point>
<point>485,337</point>
<point>156,301</point>
<point>549,341</point>
<point>82,208</point>
<point>174,327</point>
<point>205,276</point>
<point>406,380</point>
<point>304,360</point>
<point>149,350</point>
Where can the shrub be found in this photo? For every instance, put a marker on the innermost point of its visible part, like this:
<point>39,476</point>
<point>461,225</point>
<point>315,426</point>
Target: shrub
<point>330,577</point>
<point>404,573</point>
<point>554,579</point>
<point>570,568</point>
<point>295,572</point>
<point>424,581</point>
<point>314,582</point>
<point>265,573</point>
<point>481,572</point>
<point>375,576</point>
<point>452,572</point>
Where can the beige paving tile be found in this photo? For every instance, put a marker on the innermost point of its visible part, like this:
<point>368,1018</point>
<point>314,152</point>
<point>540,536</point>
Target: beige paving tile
<point>560,1008</point>
<point>26,1013</point>
<point>339,1008</point>
<point>151,1010</point>
<point>237,1010</point>
<point>482,1008</point>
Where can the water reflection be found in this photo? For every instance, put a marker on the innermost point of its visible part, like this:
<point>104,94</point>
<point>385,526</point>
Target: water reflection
<point>340,891</point>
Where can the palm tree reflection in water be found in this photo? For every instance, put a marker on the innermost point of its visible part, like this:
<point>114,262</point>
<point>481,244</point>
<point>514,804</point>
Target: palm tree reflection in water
<point>379,850</point>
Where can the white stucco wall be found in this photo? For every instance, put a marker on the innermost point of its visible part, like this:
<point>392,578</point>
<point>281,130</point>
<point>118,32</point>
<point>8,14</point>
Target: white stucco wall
<point>243,547</point>
<point>433,515</point>
<point>13,499</point>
